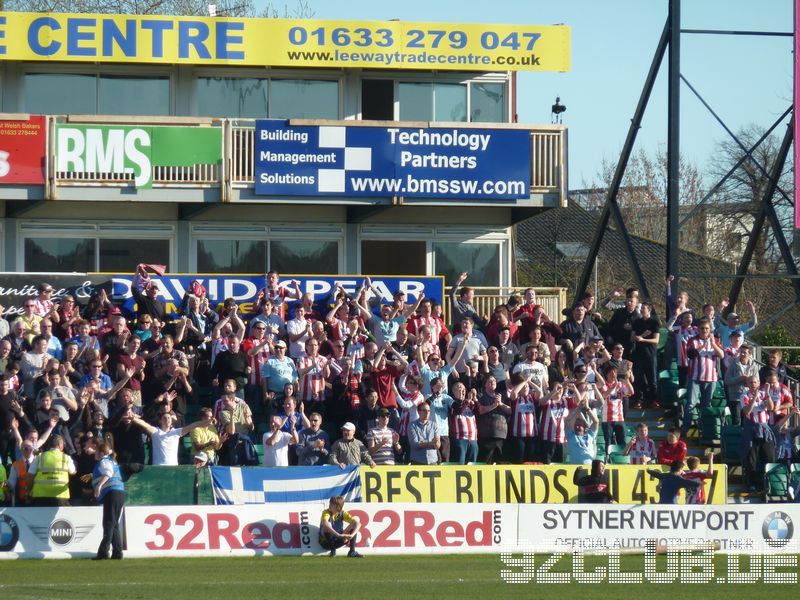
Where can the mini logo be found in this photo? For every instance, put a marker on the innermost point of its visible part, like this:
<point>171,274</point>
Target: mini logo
<point>777,529</point>
<point>61,532</point>
<point>9,533</point>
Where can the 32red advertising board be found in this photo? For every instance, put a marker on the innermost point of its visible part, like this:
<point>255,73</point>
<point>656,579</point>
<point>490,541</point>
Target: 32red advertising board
<point>22,148</point>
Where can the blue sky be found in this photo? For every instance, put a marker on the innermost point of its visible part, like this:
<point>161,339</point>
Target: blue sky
<point>745,79</point>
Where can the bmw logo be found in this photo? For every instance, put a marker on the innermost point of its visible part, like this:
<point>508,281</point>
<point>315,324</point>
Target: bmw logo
<point>9,533</point>
<point>777,529</point>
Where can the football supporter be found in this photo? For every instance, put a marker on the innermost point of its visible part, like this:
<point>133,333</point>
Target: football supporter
<point>693,473</point>
<point>440,404</point>
<point>641,448</point>
<point>423,440</point>
<point>555,408</point>
<point>612,414</point>
<point>383,442</point>
<point>276,293</point>
<point>492,422</point>
<point>436,327</point>
<point>593,488</point>
<point>578,329</point>
<point>774,362</point>
<point>620,326</point>
<point>347,450</point>
<point>757,444</point>
<point>470,356</point>
<point>581,437</point>
<point>672,449</point>
<point>524,396</point>
<point>165,439</point>
<point>683,331</point>
<point>780,394</point>
<point>312,371</point>
<point>646,335</point>
<point>312,443</point>
<point>703,352</point>
<point>465,428</point>
<point>736,378</point>
<point>462,300</point>
<point>732,322</point>
<point>276,441</point>
<point>672,483</point>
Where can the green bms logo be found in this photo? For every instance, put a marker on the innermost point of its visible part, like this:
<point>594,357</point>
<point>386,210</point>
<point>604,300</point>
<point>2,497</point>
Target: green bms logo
<point>105,150</point>
<point>9,533</point>
<point>777,529</point>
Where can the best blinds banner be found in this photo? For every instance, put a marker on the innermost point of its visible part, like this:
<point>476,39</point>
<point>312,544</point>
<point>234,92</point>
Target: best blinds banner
<point>443,162</point>
<point>134,152</point>
<point>282,42</point>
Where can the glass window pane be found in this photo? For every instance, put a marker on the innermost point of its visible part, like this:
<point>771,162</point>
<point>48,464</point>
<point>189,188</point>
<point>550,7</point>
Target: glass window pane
<point>450,100</point>
<point>481,261</point>
<point>122,255</point>
<point>59,254</point>
<point>231,256</point>
<point>304,99</point>
<point>232,97</point>
<point>487,102</point>
<point>133,95</point>
<point>304,257</point>
<point>416,101</point>
<point>60,94</point>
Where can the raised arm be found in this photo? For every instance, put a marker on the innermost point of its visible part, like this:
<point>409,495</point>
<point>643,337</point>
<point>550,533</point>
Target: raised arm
<point>148,429</point>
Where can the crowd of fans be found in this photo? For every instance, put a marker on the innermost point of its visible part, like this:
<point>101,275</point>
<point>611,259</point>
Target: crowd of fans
<point>355,380</point>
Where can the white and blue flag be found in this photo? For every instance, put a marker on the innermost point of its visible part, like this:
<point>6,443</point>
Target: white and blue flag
<point>257,485</point>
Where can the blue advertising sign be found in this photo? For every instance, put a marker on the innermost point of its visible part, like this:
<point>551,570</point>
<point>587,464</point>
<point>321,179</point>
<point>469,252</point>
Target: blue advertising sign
<point>441,162</point>
<point>244,288</point>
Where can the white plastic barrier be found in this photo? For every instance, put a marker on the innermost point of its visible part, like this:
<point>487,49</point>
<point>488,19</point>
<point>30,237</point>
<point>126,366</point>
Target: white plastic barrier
<point>50,532</point>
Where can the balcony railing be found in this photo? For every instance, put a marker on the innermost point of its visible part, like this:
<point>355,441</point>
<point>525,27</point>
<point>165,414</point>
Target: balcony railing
<point>552,299</point>
<point>548,155</point>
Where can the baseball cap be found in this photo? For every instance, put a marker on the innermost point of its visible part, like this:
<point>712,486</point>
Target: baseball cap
<point>201,456</point>
<point>382,412</point>
<point>736,332</point>
<point>596,338</point>
<point>732,315</point>
<point>280,344</point>
<point>349,426</point>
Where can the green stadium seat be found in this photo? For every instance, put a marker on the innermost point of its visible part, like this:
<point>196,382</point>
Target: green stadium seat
<point>729,439</point>
<point>619,459</point>
<point>776,481</point>
<point>612,449</point>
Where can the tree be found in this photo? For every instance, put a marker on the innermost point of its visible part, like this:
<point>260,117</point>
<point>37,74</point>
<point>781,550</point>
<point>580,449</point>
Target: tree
<point>228,8</point>
<point>740,196</point>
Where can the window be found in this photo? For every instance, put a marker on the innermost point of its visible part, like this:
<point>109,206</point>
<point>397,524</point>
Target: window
<point>232,97</point>
<point>54,93</point>
<point>80,246</point>
<point>304,99</point>
<point>487,102</point>
<point>59,254</point>
<point>433,101</point>
<point>231,256</point>
<point>58,93</point>
<point>118,255</point>
<point>119,95</point>
<point>304,257</point>
<point>481,261</point>
<point>393,257</point>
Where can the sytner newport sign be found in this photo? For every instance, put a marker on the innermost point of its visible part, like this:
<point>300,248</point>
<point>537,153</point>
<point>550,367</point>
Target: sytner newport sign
<point>391,161</point>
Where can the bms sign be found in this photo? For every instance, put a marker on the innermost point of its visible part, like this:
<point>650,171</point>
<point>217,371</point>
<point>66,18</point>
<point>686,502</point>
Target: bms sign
<point>391,161</point>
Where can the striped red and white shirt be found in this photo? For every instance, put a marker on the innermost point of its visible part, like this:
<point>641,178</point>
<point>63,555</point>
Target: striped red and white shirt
<point>312,384</point>
<point>781,397</point>
<point>641,449</point>
<point>682,337</point>
<point>464,425</point>
<point>612,409</point>
<point>42,307</point>
<point>355,347</point>
<point>697,496</point>
<point>523,419</point>
<point>255,361</point>
<point>339,329</point>
<point>277,297</point>
<point>760,413</point>
<point>436,326</point>
<point>704,366</point>
<point>408,405</point>
<point>552,429</point>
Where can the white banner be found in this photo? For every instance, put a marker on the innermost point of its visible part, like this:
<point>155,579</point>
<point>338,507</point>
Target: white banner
<point>274,529</point>
<point>737,528</point>
<point>50,532</point>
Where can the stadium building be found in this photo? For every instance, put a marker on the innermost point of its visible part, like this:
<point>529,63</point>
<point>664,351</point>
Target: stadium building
<point>133,139</point>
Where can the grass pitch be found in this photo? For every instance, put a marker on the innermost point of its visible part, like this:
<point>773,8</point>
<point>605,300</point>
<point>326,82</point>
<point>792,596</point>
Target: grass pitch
<point>409,578</point>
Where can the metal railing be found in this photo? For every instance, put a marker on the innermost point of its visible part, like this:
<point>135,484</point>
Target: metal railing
<point>552,299</point>
<point>548,154</point>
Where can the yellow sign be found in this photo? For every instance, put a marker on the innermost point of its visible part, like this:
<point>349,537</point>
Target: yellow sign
<point>514,484</point>
<point>282,42</point>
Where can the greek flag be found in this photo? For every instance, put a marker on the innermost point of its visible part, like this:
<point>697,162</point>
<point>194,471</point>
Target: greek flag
<point>257,485</point>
